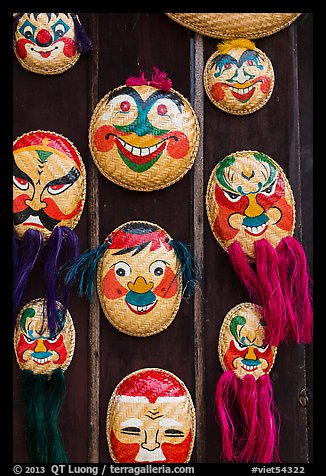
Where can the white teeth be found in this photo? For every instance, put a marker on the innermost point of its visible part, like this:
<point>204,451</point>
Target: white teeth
<point>41,361</point>
<point>255,230</point>
<point>250,367</point>
<point>139,151</point>
<point>141,308</point>
<point>33,220</point>
<point>241,91</point>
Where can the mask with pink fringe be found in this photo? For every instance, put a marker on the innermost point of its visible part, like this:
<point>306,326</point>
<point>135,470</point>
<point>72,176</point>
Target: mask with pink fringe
<point>244,403</point>
<point>251,211</point>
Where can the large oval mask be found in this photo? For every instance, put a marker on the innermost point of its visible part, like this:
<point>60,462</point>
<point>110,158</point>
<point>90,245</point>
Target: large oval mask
<point>49,183</point>
<point>249,198</point>
<point>139,279</point>
<point>241,344</point>
<point>143,138</point>
<point>151,419</point>
<point>36,348</point>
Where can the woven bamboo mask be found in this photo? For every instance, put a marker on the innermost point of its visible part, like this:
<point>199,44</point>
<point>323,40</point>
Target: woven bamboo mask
<point>251,211</point>
<point>151,419</point>
<point>36,348</point>
<point>49,43</point>
<point>238,77</point>
<point>244,402</point>
<point>144,135</point>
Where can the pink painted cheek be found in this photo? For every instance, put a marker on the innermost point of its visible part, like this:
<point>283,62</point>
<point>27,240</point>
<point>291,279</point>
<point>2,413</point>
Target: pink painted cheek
<point>104,138</point>
<point>20,47</point>
<point>178,148</point>
<point>265,85</point>
<point>168,286</point>
<point>69,48</point>
<point>217,92</point>
<point>111,287</point>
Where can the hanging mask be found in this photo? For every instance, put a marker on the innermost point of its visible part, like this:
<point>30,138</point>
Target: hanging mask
<point>144,135</point>
<point>49,186</point>
<point>251,211</point>
<point>238,77</point>
<point>49,43</point>
<point>151,419</point>
<point>141,276</point>
<point>244,403</point>
<point>43,356</point>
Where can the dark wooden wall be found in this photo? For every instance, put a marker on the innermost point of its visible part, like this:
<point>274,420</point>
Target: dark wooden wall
<point>123,44</point>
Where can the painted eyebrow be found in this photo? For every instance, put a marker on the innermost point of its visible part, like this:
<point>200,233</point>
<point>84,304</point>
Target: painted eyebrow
<point>132,422</point>
<point>136,249</point>
<point>135,95</point>
<point>247,55</point>
<point>225,58</point>
<point>70,177</point>
<point>168,422</point>
<point>19,173</point>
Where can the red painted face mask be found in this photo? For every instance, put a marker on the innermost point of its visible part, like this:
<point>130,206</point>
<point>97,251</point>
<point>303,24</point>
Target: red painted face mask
<point>49,186</point>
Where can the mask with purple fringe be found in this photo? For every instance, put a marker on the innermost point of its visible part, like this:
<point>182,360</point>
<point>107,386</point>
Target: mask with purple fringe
<point>244,403</point>
<point>142,274</point>
<point>49,186</point>
<point>144,135</point>
<point>49,43</point>
<point>251,211</point>
<point>43,356</point>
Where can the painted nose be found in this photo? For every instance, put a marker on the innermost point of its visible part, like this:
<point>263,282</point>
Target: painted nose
<point>150,442</point>
<point>35,204</point>
<point>253,209</point>
<point>243,76</point>
<point>43,38</point>
<point>250,355</point>
<point>40,347</point>
<point>140,285</point>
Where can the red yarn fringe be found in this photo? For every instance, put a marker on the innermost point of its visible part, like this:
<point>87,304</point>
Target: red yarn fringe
<point>158,79</point>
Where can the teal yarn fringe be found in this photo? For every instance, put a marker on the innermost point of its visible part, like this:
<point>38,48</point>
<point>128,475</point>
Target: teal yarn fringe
<point>190,268</point>
<point>56,395</point>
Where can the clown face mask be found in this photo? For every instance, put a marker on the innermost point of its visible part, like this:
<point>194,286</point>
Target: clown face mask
<point>36,348</point>
<point>139,279</point>
<point>151,419</point>
<point>242,346</point>
<point>238,77</point>
<point>249,198</point>
<point>142,137</point>
<point>48,43</point>
<point>49,183</point>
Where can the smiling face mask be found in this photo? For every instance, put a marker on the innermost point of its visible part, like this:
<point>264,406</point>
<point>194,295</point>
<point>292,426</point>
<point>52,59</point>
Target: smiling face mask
<point>251,211</point>
<point>49,43</point>
<point>244,403</point>
<point>144,135</point>
<point>151,419</point>
<point>238,77</point>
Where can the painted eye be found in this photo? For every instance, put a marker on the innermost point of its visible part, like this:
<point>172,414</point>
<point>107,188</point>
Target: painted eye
<point>157,268</point>
<point>122,269</point>
<point>227,66</point>
<point>162,109</point>
<point>28,32</point>
<point>131,430</point>
<point>239,345</point>
<point>233,197</point>
<point>28,339</point>
<point>270,189</point>
<point>59,30</point>
<point>59,188</point>
<point>53,339</point>
<point>21,183</point>
<point>125,106</point>
<point>172,432</point>
<point>263,348</point>
<point>250,62</point>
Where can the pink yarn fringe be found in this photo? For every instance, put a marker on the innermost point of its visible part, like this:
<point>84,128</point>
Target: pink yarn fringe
<point>248,418</point>
<point>158,79</point>
<point>295,281</point>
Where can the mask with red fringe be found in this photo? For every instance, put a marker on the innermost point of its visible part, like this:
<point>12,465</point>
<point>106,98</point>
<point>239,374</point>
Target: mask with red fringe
<point>251,211</point>
<point>244,403</point>
<point>49,186</point>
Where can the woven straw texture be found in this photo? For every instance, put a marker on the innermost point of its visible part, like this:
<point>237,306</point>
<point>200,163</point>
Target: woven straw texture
<point>237,94</point>
<point>241,339</point>
<point>35,349</point>
<point>234,25</point>
<point>143,147</point>
<point>159,403</point>
<point>140,289</point>
<point>49,183</point>
<point>43,46</point>
<point>248,198</point>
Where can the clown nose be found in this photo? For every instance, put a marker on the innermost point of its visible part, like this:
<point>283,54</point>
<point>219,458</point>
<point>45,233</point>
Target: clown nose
<point>140,285</point>
<point>43,38</point>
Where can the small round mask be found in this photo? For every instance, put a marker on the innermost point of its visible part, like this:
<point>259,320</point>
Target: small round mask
<point>139,279</point>
<point>241,344</point>
<point>144,135</point>
<point>36,348</point>
<point>151,419</point>
<point>238,77</point>
<point>49,43</point>
<point>249,198</point>
<point>49,183</point>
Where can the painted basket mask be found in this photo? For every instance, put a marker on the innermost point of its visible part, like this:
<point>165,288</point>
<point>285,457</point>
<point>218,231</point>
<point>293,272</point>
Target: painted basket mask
<point>151,418</point>
<point>49,43</point>
<point>49,187</point>
<point>238,77</point>
<point>251,211</point>
<point>144,135</point>
<point>249,428</point>
<point>141,276</point>
<point>43,356</point>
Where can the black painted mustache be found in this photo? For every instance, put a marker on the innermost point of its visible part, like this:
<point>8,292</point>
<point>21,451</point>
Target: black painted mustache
<point>46,221</point>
